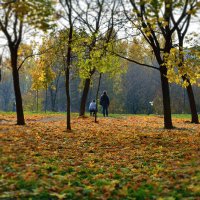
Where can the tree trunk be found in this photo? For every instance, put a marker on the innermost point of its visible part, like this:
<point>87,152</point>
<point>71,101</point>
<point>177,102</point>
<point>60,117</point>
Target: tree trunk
<point>53,100</point>
<point>190,93</point>
<point>54,94</point>
<point>84,96</point>
<point>192,103</point>
<point>45,108</point>
<point>97,94</point>
<point>18,96</point>
<point>166,101</point>
<point>68,100</point>
<point>183,110</point>
<point>0,65</point>
<point>37,100</point>
<point>69,52</point>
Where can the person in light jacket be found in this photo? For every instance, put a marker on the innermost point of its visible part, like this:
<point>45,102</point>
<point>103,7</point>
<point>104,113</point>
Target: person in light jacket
<point>92,108</point>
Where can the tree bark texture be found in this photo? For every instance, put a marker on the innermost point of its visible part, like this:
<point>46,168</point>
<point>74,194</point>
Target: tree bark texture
<point>18,96</point>
<point>84,96</point>
<point>45,107</point>
<point>67,69</point>
<point>37,103</point>
<point>166,100</point>
<point>68,100</point>
<point>190,93</point>
<point>97,94</point>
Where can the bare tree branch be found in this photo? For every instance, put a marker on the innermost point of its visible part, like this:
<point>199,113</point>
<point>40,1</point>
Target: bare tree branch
<point>32,55</point>
<point>134,61</point>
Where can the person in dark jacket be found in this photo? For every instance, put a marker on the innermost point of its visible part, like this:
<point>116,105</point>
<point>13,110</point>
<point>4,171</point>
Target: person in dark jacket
<point>104,102</point>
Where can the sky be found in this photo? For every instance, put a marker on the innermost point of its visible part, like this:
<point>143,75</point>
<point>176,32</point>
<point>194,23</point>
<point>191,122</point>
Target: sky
<point>194,27</point>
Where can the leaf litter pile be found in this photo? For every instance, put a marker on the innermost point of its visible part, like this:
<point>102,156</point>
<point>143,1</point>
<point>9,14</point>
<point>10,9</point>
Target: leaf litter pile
<point>117,158</point>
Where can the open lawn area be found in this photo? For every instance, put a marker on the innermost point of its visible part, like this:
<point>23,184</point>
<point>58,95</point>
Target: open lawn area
<point>128,157</point>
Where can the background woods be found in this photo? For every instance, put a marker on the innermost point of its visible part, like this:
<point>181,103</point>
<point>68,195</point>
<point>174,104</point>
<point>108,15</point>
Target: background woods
<point>60,57</point>
<point>51,48</point>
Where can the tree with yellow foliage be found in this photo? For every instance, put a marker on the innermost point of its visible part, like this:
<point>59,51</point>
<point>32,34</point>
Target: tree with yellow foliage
<point>156,22</point>
<point>14,17</point>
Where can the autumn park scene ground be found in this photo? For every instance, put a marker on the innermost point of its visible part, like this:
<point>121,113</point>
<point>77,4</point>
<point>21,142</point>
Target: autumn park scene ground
<point>120,157</point>
<point>99,99</point>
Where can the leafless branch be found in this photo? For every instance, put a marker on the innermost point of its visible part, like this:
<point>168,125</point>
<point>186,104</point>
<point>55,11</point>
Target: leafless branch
<point>134,61</point>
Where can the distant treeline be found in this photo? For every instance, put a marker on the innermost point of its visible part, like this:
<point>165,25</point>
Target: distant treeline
<point>131,92</point>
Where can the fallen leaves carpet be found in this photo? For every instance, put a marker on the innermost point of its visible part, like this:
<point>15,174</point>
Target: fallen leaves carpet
<point>117,158</point>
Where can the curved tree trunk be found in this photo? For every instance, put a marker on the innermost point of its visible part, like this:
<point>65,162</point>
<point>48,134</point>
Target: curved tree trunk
<point>84,96</point>
<point>166,101</point>
<point>190,93</point>
<point>18,96</point>
<point>192,103</point>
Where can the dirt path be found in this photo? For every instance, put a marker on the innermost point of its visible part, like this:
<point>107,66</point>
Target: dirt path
<point>44,119</point>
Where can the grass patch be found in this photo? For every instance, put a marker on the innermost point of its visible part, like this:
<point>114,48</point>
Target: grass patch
<point>115,159</point>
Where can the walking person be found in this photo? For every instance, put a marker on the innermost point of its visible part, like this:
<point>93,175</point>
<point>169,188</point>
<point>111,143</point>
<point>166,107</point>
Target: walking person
<point>92,108</point>
<point>104,102</point>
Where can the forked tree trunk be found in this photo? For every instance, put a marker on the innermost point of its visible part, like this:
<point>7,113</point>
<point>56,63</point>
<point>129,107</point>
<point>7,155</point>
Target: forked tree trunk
<point>84,96</point>
<point>166,100</point>
<point>18,96</point>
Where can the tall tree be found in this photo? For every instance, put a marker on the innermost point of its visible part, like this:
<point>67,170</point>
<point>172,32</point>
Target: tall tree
<point>97,18</point>
<point>181,32</point>
<point>154,20</point>
<point>14,17</point>
<point>68,10</point>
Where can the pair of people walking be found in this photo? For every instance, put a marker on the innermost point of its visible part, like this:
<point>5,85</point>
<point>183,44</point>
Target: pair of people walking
<point>104,102</point>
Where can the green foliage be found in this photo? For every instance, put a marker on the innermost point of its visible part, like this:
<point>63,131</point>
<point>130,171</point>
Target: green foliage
<point>37,13</point>
<point>183,63</point>
<point>159,30</point>
<point>96,57</point>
